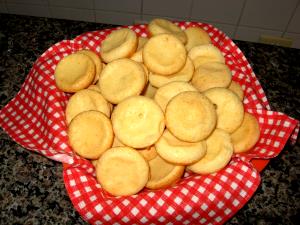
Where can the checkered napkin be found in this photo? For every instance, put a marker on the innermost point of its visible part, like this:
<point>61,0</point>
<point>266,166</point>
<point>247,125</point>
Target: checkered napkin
<point>35,119</point>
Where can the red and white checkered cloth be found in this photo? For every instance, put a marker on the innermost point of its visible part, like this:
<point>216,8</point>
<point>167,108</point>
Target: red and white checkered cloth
<point>35,119</point>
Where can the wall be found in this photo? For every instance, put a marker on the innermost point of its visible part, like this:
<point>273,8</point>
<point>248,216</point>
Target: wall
<point>240,19</point>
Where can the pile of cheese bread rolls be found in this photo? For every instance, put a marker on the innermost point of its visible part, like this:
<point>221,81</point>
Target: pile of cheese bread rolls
<point>147,109</point>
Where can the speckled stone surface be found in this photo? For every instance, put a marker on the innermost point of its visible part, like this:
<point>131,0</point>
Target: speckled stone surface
<point>31,186</point>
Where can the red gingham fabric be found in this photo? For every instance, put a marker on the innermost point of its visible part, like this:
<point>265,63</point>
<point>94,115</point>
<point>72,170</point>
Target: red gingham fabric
<point>35,119</point>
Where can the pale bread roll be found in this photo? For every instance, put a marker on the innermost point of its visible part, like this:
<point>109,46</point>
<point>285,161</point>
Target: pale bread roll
<point>212,74</point>
<point>149,91</point>
<point>94,162</point>
<point>230,109</point>
<point>90,134</point>
<point>246,136</point>
<point>97,61</point>
<point>120,79</point>
<point>138,121</point>
<point>103,65</point>
<point>122,171</point>
<point>86,100</point>
<point>138,55</point>
<point>218,154</point>
<point>206,53</point>
<point>148,153</point>
<point>190,116</point>
<point>74,72</point>
<point>119,44</point>
<point>146,74</point>
<point>179,152</point>
<point>165,93</point>
<point>196,36</point>
<point>141,42</point>
<point>164,54</point>
<point>94,88</point>
<point>185,74</point>
<point>163,174</point>
<point>117,143</point>
<point>203,60</point>
<point>237,88</point>
<point>164,26</point>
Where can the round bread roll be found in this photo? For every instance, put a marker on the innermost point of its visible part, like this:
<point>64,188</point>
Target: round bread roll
<point>202,60</point>
<point>122,171</point>
<point>146,73</point>
<point>90,134</point>
<point>120,79</point>
<point>205,53</point>
<point>212,74</point>
<point>165,93</point>
<point>190,116</point>
<point>237,89</point>
<point>246,136</point>
<point>196,36</point>
<point>94,88</point>
<point>97,61</point>
<point>230,109</point>
<point>103,65</point>
<point>138,55</point>
<point>218,154</point>
<point>149,91</point>
<point>138,121</point>
<point>148,153</point>
<point>94,162</point>
<point>163,174</point>
<point>179,152</point>
<point>163,26</point>
<point>185,74</point>
<point>164,54</point>
<point>141,42</point>
<point>74,72</point>
<point>86,100</point>
<point>117,143</point>
<point>119,44</point>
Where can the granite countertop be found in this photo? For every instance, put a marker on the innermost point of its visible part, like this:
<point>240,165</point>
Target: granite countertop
<point>31,186</point>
